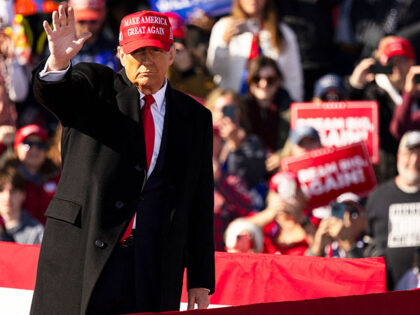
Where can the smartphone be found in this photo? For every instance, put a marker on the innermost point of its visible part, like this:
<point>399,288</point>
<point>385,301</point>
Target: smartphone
<point>379,68</point>
<point>338,209</point>
<point>229,111</point>
<point>417,79</point>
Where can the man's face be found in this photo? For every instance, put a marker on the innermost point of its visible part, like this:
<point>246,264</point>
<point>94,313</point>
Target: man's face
<point>93,26</point>
<point>146,67</point>
<point>408,164</point>
<point>11,199</point>
<point>400,66</point>
<point>32,152</point>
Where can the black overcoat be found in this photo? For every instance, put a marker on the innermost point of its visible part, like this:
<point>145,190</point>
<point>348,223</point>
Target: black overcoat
<point>102,181</point>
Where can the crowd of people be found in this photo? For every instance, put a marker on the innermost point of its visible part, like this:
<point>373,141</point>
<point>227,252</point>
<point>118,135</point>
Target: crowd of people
<point>247,67</point>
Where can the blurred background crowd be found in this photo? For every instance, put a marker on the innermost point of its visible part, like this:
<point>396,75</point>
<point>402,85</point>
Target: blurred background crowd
<point>247,66</point>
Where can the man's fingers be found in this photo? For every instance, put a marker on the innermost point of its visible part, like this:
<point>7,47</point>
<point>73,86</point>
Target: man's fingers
<point>202,304</point>
<point>62,16</point>
<point>47,28</point>
<point>71,19</point>
<point>55,21</point>
<point>191,302</point>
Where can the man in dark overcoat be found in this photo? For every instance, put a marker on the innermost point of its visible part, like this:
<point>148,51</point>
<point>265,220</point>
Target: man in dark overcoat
<point>134,205</point>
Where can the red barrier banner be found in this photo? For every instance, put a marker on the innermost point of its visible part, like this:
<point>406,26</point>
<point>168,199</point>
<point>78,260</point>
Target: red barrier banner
<point>240,278</point>
<point>259,278</point>
<point>391,303</point>
<point>341,123</point>
<point>326,173</point>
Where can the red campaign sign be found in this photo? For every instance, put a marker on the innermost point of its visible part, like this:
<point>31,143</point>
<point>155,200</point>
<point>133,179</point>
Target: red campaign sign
<point>326,173</point>
<point>341,123</point>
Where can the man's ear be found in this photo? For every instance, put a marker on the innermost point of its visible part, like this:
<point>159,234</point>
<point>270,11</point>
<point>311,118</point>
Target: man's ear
<point>121,55</point>
<point>172,53</point>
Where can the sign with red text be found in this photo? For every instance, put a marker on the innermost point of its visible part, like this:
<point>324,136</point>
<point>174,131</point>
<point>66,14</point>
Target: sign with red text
<point>326,173</point>
<point>341,123</point>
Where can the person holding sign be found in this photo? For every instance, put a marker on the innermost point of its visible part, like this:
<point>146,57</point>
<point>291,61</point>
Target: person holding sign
<point>394,211</point>
<point>134,205</point>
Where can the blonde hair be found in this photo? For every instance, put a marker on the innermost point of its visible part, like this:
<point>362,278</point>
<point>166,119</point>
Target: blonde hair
<point>240,225</point>
<point>269,20</point>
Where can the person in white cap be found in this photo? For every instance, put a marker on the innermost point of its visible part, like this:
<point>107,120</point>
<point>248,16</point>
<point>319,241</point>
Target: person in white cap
<point>394,211</point>
<point>134,205</point>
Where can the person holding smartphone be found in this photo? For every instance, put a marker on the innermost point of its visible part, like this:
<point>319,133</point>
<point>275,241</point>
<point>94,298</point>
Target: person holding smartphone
<point>386,89</point>
<point>242,154</point>
<point>287,230</point>
<point>341,234</point>
<point>407,115</point>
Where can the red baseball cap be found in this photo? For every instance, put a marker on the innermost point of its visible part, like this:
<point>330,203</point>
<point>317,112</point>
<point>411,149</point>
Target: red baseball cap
<point>88,10</point>
<point>145,29</point>
<point>397,46</point>
<point>28,130</point>
<point>279,180</point>
<point>177,24</point>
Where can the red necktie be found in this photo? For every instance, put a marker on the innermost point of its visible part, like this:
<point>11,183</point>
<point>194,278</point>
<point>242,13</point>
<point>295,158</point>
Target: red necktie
<point>148,127</point>
<point>149,140</point>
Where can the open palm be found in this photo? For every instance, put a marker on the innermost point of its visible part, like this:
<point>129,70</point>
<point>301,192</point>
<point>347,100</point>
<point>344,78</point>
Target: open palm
<point>63,41</point>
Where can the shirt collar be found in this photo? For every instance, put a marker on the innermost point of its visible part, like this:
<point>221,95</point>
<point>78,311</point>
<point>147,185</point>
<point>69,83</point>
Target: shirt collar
<point>159,96</point>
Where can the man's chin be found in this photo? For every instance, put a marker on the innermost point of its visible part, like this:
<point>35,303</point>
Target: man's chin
<point>411,179</point>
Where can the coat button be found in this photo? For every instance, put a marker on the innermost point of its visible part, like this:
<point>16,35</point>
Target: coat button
<point>99,244</point>
<point>119,204</point>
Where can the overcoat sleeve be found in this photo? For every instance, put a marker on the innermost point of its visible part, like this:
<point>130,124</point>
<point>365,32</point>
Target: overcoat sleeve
<point>200,260</point>
<point>67,98</point>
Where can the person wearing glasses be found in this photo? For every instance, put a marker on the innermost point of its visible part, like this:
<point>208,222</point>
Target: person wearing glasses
<point>40,173</point>
<point>267,107</point>
<point>251,30</point>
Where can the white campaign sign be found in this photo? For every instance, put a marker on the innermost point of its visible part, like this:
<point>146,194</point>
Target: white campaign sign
<point>404,225</point>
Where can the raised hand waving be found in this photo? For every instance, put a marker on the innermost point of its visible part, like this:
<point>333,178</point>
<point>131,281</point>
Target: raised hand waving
<point>63,41</point>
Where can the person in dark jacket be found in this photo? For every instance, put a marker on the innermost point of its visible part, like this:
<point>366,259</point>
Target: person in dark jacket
<point>386,89</point>
<point>134,205</point>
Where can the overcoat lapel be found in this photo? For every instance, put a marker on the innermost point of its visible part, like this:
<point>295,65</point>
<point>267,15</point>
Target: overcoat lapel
<point>128,100</point>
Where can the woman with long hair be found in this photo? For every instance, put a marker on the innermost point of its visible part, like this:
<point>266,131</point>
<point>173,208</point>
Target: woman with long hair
<point>253,29</point>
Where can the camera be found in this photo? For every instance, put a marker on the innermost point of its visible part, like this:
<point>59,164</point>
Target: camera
<point>379,68</point>
<point>339,208</point>
<point>229,111</point>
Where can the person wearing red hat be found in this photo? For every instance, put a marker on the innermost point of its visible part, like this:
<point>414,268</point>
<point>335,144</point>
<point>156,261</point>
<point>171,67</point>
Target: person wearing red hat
<point>286,228</point>
<point>134,205</point>
<point>40,173</point>
<point>385,85</point>
<point>100,47</point>
<point>407,116</point>
<point>186,73</point>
